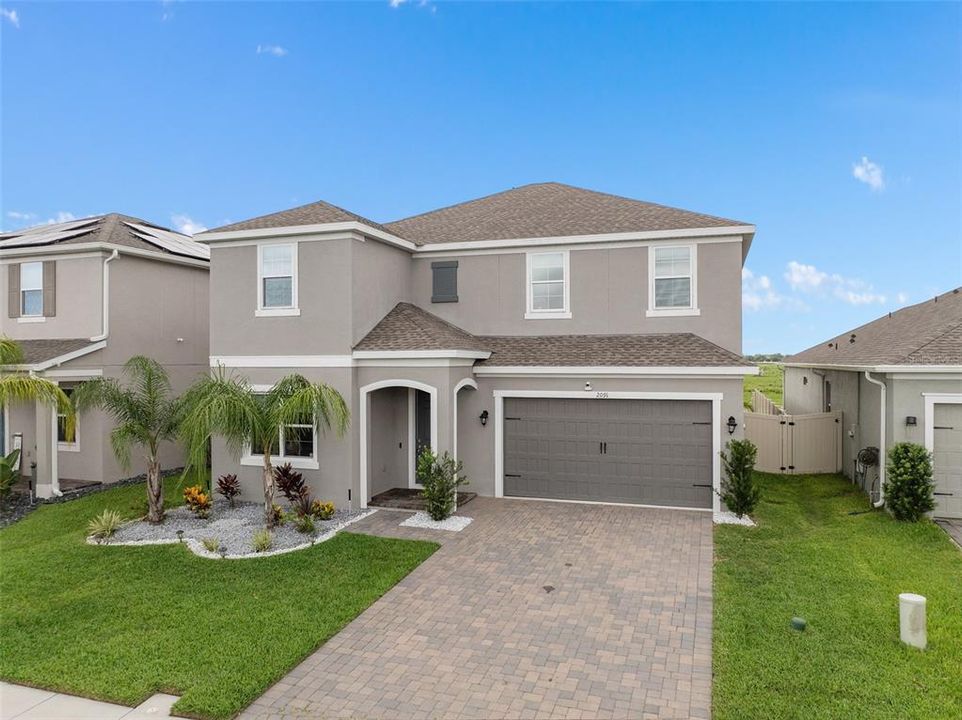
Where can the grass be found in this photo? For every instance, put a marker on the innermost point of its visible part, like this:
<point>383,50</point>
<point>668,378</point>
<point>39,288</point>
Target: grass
<point>121,623</point>
<point>842,573</point>
<point>769,383</point>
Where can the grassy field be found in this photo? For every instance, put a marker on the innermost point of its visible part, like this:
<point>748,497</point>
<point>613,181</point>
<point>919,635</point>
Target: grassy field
<point>768,382</point>
<point>121,623</point>
<point>810,557</point>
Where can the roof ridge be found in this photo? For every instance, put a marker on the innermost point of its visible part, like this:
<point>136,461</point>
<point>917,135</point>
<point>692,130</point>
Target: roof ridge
<point>467,202</point>
<point>943,332</point>
<point>439,319</point>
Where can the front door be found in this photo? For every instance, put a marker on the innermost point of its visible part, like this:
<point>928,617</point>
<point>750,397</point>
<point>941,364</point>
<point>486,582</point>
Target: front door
<point>422,425</point>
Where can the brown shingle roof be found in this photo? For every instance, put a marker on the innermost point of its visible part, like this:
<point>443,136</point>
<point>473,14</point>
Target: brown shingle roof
<point>38,351</point>
<point>654,350</point>
<point>929,333</point>
<point>547,210</point>
<point>408,327</point>
<point>316,213</point>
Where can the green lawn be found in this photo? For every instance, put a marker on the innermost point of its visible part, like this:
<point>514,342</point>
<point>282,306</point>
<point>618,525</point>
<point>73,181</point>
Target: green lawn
<point>121,623</point>
<point>843,574</point>
<point>769,382</point>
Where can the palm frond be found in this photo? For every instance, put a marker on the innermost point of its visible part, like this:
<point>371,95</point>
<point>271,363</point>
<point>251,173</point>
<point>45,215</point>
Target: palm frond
<point>10,352</point>
<point>221,404</point>
<point>299,399</point>
<point>122,437</point>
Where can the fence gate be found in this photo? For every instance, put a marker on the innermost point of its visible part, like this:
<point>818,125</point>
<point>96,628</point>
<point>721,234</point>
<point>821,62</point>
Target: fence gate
<point>796,443</point>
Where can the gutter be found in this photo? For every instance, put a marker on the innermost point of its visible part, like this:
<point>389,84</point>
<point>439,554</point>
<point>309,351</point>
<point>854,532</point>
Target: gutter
<point>106,306</point>
<point>881,442</point>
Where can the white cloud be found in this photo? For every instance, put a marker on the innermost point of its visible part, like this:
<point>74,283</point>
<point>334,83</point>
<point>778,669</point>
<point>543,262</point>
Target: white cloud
<point>61,217</point>
<point>804,277</point>
<point>809,279</point>
<point>396,3</point>
<point>20,216</point>
<point>275,50</point>
<point>186,225</point>
<point>869,173</point>
<point>902,298</point>
<point>757,291</point>
<point>12,16</point>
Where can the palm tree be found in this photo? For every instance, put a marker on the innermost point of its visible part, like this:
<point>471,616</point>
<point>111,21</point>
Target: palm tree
<point>18,386</point>
<point>226,405</point>
<point>145,414</point>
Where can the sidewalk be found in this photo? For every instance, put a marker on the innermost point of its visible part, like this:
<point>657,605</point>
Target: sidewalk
<point>26,703</point>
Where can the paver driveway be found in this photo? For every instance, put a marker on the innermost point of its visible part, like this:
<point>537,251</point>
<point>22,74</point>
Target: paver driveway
<point>536,610</point>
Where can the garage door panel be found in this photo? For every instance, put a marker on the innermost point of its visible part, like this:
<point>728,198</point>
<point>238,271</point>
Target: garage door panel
<point>657,452</point>
<point>947,460</point>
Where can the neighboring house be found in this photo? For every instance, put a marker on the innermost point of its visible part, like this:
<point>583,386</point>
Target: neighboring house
<point>82,297</point>
<point>563,343</point>
<point>898,378</point>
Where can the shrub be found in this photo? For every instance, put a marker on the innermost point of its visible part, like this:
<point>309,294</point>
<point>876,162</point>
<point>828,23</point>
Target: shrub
<point>322,510</point>
<point>289,482</point>
<point>104,525</point>
<point>302,503</point>
<point>229,487</point>
<point>211,544</point>
<point>739,491</point>
<point>262,540</point>
<point>304,524</point>
<point>8,475</point>
<point>441,477</point>
<point>197,501</point>
<point>908,482</point>
<point>277,515</point>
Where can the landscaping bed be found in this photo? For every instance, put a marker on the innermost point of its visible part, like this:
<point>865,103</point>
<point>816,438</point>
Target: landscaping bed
<point>122,623</point>
<point>811,557</point>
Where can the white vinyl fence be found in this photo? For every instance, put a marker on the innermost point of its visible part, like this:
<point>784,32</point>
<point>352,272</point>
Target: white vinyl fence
<point>796,444</point>
<point>762,404</point>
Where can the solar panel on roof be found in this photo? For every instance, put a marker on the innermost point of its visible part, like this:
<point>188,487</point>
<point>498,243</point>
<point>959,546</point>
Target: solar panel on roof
<point>48,234</point>
<point>170,241</point>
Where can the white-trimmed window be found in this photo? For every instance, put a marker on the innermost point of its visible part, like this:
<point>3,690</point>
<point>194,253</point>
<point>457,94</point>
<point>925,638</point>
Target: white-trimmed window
<point>62,442</point>
<point>295,443</point>
<point>548,286</point>
<point>31,289</point>
<point>277,279</point>
<point>672,280</point>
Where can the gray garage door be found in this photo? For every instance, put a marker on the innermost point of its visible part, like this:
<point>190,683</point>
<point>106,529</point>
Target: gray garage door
<point>653,452</point>
<point>947,460</point>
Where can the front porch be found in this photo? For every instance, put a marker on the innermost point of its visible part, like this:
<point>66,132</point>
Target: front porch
<point>399,498</point>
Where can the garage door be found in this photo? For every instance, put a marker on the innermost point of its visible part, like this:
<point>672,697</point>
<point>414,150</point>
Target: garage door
<point>947,460</point>
<point>652,452</point>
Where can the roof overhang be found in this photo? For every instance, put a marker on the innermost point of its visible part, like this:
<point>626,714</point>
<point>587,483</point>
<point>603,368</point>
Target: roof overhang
<point>52,252</point>
<point>59,359</point>
<point>420,354</point>
<point>324,229</point>
<point>920,369</point>
<point>663,371</point>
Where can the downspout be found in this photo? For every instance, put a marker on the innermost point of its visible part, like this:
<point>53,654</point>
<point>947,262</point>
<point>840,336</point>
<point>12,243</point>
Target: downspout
<point>106,304</point>
<point>881,442</point>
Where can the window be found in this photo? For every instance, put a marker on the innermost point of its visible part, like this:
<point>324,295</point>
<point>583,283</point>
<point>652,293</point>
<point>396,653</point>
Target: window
<point>444,281</point>
<point>277,279</point>
<point>548,285</point>
<point>294,444</point>
<point>672,280</point>
<point>62,442</point>
<point>31,289</point>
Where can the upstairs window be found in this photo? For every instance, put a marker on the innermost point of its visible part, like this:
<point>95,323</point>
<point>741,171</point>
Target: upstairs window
<point>548,295</point>
<point>672,280</point>
<point>31,289</point>
<point>277,279</point>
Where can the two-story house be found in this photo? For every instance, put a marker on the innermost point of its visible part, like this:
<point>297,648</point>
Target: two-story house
<point>82,297</point>
<point>563,343</point>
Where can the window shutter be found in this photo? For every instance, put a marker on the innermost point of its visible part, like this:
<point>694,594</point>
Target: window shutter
<point>13,290</point>
<point>49,288</point>
<point>445,281</point>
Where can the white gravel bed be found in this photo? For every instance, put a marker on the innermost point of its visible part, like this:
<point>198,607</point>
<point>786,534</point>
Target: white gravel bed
<point>726,517</point>
<point>455,523</point>
<point>234,529</point>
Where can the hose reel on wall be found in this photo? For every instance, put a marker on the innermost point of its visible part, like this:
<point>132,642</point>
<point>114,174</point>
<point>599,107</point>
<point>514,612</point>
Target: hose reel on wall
<point>868,458</point>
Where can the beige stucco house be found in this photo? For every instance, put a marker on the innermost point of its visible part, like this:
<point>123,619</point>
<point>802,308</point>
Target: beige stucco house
<point>563,343</point>
<point>81,298</point>
<point>898,378</point>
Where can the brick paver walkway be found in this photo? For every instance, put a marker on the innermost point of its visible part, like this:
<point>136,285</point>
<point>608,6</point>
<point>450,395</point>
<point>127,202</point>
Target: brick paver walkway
<point>536,610</point>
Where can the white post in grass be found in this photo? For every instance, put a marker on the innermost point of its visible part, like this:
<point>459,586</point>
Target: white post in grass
<point>912,628</point>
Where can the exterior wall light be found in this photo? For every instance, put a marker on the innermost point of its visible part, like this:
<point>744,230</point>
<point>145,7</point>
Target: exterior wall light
<point>731,424</point>
<point>911,420</point>
<point>588,386</point>
<point>483,417</point>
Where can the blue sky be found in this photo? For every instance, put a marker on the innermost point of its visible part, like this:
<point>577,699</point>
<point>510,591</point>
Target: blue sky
<point>836,129</point>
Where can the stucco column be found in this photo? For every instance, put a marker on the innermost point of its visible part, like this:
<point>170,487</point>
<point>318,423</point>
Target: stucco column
<point>48,483</point>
